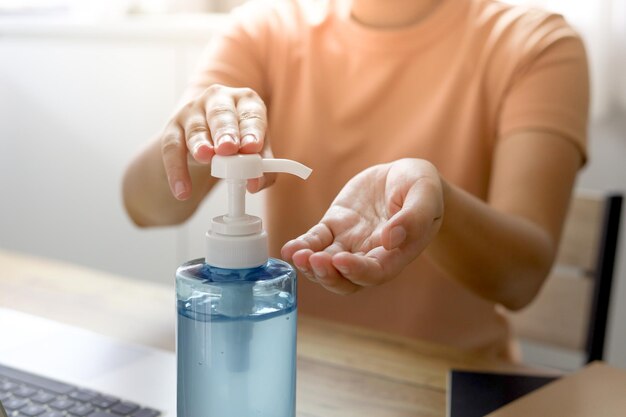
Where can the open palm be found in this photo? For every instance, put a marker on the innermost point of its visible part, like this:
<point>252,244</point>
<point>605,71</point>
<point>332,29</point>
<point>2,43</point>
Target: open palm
<point>379,222</point>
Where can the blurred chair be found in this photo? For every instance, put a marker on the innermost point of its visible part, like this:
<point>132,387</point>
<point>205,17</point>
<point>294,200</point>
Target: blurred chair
<point>571,309</point>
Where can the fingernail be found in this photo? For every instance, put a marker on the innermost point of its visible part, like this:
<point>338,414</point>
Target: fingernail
<point>197,147</point>
<point>225,139</point>
<point>320,272</point>
<point>201,150</point>
<point>179,189</point>
<point>301,268</point>
<point>248,139</point>
<point>343,269</point>
<point>397,236</point>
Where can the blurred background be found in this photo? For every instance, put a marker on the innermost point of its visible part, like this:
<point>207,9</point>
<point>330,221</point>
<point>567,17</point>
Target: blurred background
<point>85,83</point>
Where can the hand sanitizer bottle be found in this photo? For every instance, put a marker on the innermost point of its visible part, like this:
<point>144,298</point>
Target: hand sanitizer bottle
<point>236,329</point>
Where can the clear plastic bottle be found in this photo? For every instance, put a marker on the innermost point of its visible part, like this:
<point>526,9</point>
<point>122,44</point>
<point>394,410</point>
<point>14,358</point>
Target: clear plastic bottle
<point>236,358</point>
<point>237,311</point>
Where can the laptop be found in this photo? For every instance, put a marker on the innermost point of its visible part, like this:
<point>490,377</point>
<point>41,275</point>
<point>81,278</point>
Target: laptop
<point>92,368</point>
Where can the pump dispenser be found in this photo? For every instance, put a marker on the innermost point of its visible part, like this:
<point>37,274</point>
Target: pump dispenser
<point>236,328</point>
<point>237,240</point>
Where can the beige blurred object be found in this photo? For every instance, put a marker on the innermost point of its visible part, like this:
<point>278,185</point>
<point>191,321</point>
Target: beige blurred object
<point>195,6</point>
<point>596,391</point>
<point>191,6</point>
<point>172,6</point>
<point>226,6</point>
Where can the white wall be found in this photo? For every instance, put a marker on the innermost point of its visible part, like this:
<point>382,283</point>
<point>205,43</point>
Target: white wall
<point>77,100</point>
<point>76,112</point>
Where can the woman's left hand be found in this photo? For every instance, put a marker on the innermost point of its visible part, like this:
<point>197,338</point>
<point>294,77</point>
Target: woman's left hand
<point>382,219</point>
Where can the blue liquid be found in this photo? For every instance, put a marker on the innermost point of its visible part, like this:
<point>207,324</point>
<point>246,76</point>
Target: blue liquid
<point>236,359</point>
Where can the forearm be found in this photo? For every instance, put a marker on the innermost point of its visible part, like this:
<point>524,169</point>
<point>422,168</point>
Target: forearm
<point>500,256</point>
<point>147,195</point>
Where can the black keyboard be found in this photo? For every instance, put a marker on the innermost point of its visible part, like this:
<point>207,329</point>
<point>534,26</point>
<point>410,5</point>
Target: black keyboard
<point>27,395</point>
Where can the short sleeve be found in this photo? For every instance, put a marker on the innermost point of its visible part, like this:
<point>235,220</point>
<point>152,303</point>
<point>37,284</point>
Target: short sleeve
<point>550,89</point>
<point>236,55</point>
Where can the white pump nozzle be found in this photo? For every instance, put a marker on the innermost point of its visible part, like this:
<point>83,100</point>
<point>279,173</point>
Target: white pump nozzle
<point>243,167</point>
<point>237,240</point>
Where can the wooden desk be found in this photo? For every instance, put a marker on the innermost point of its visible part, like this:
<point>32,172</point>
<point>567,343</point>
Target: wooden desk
<point>342,371</point>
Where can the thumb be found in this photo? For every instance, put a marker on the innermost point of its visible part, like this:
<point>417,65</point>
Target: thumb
<point>396,230</point>
<point>417,220</point>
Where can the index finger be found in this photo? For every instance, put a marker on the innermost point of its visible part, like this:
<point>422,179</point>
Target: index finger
<point>174,155</point>
<point>318,238</point>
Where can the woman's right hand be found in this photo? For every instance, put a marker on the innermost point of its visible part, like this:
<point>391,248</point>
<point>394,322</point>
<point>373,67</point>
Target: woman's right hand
<point>223,121</point>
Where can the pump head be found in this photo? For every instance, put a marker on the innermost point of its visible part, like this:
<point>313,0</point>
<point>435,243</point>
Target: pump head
<point>237,240</point>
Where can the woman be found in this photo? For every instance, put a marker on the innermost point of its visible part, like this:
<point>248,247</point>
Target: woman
<point>444,134</point>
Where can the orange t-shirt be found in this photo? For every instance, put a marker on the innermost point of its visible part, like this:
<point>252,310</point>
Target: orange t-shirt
<point>342,97</point>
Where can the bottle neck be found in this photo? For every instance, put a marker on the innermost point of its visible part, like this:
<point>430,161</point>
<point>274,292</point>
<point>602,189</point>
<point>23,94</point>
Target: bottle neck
<point>236,251</point>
